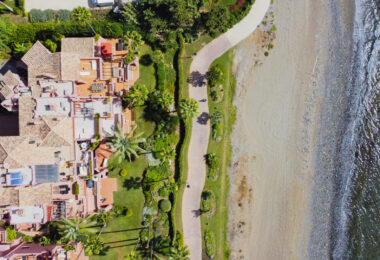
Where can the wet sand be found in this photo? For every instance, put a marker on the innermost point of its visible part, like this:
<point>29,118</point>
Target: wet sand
<point>279,101</point>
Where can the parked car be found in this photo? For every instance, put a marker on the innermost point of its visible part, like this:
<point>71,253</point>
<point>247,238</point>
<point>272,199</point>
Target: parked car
<point>101,3</point>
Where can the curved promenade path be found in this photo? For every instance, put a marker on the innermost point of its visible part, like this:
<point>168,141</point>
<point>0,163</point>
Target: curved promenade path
<point>201,126</point>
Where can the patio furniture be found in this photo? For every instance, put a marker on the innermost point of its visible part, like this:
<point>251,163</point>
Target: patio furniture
<point>97,87</point>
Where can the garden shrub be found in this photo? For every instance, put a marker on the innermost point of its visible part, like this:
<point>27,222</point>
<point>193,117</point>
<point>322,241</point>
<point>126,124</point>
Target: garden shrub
<point>37,15</point>
<point>11,233</point>
<point>161,76</point>
<point>217,132</point>
<point>108,29</point>
<point>212,161</point>
<point>123,172</point>
<point>165,205</point>
<point>21,4</point>
<point>209,238</point>
<point>63,15</point>
<point>52,46</point>
<point>27,239</point>
<point>76,189</point>
<point>206,202</point>
<point>214,76</point>
<point>164,191</point>
<point>128,212</point>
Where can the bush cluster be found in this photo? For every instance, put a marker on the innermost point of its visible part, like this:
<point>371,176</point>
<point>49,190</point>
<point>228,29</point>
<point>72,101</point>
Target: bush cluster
<point>209,239</point>
<point>161,76</point>
<point>37,15</point>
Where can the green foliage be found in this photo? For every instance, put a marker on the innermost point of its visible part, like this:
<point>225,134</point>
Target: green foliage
<point>6,30</point>
<point>166,154</point>
<point>161,76</point>
<point>212,161</point>
<point>134,39</point>
<point>27,239</point>
<point>52,46</point>
<point>215,94</point>
<point>44,241</point>
<point>188,108</point>
<point>94,145</point>
<point>20,49</point>
<point>123,172</point>
<point>81,14</point>
<point>207,200</point>
<point>76,189</point>
<point>129,14</point>
<point>126,146</point>
<point>137,95</point>
<point>106,28</point>
<point>216,124</point>
<point>181,46</point>
<point>161,101</point>
<point>129,57</point>
<point>209,239</point>
<point>63,15</point>
<point>96,37</point>
<point>163,16</point>
<point>94,246</point>
<point>217,132</point>
<point>217,20</point>
<point>11,233</point>
<point>76,229</point>
<point>37,15</point>
<point>157,56</point>
<point>215,76</point>
<point>128,212</point>
<point>165,205</point>
<point>216,117</point>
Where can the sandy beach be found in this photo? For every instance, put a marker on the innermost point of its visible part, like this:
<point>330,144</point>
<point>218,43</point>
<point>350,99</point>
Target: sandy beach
<point>279,102</point>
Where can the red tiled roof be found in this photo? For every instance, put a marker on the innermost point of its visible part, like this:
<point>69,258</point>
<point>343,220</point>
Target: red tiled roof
<point>48,213</point>
<point>106,49</point>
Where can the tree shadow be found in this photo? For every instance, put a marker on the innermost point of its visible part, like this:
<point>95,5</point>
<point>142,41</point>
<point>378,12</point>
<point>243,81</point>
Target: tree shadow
<point>197,79</point>
<point>126,240</point>
<point>133,183</point>
<point>122,245</point>
<point>203,118</point>
<point>146,60</point>
<point>197,213</point>
<point>124,230</point>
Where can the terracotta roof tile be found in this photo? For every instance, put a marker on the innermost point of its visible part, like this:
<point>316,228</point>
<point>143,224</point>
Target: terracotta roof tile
<point>108,186</point>
<point>83,46</point>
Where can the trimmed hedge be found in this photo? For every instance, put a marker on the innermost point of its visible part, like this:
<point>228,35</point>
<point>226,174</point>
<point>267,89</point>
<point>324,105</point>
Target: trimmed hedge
<point>165,205</point>
<point>76,189</point>
<point>31,32</point>
<point>161,76</point>
<point>63,15</point>
<point>37,15</point>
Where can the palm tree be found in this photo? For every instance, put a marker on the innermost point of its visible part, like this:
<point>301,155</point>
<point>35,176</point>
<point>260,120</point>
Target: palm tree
<point>76,229</point>
<point>188,108</point>
<point>126,145</point>
<point>179,253</point>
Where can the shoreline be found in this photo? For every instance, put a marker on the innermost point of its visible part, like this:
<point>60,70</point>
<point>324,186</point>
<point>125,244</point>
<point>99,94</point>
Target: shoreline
<point>281,100</point>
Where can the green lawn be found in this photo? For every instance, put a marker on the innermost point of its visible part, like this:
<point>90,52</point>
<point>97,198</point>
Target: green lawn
<point>122,232</point>
<point>218,222</point>
<point>147,71</point>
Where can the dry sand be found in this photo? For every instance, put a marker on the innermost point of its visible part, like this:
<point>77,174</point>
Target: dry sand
<point>278,100</point>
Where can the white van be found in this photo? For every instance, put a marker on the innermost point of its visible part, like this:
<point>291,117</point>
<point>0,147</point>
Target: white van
<point>103,2</point>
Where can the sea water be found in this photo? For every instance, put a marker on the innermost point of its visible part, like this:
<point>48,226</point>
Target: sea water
<point>356,206</point>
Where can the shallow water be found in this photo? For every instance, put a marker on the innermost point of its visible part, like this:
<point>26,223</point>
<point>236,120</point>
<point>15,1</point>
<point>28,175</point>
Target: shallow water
<point>346,210</point>
<point>356,218</point>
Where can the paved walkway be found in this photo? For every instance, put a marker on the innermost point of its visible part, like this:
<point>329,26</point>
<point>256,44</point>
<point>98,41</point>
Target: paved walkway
<point>201,129</point>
